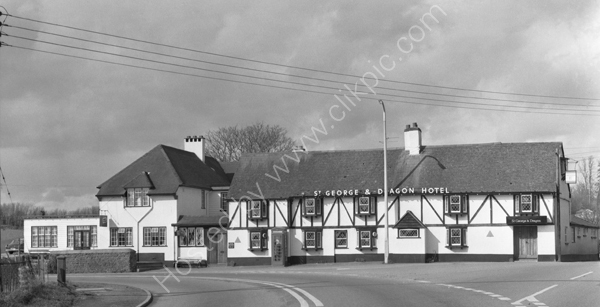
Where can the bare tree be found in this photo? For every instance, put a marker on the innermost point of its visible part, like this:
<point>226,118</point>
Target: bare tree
<point>586,192</point>
<point>228,143</point>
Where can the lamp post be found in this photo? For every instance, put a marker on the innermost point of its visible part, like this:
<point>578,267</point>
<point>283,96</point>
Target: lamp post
<point>385,189</point>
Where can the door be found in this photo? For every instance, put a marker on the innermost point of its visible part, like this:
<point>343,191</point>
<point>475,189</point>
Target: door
<point>81,239</point>
<point>526,242</point>
<point>217,248</point>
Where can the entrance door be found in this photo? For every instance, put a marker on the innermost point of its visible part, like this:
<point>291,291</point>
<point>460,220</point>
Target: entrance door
<point>217,248</point>
<point>81,239</point>
<point>526,242</point>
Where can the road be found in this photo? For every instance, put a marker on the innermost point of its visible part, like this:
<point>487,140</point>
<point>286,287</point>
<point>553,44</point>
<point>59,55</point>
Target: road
<point>371,284</point>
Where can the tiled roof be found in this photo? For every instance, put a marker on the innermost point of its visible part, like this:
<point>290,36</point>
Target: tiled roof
<point>581,222</point>
<point>230,168</point>
<point>189,220</point>
<point>168,168</point>
<point>141,181</point>
<point>496,167</point>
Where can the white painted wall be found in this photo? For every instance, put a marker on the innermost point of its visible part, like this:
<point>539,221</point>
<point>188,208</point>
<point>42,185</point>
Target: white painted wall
<point>161,213</point>
<point>61,235</point>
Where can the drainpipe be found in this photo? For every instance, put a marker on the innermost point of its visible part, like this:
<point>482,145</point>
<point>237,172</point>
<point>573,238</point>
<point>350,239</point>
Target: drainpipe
<point>137,245</point>
<point>557,226</point>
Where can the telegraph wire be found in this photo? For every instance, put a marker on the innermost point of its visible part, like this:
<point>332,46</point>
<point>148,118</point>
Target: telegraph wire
<point>304,90</point>
<point>296,76</point>
<point>293,75</point>
<point>293,82</point>
<point>298,67</point>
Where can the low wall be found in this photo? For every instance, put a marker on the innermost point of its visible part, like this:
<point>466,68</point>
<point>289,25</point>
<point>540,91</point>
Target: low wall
<point>97,260</point>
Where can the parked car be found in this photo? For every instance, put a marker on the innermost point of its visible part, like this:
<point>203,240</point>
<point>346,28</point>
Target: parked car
<point>15,246</point>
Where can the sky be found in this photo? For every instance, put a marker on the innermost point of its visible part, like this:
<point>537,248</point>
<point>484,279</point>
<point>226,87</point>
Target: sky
<point>67,124</point>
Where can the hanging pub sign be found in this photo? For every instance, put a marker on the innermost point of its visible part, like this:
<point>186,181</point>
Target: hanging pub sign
<point>396,191</point>
<point>526,220</point>
<point>103,221</point>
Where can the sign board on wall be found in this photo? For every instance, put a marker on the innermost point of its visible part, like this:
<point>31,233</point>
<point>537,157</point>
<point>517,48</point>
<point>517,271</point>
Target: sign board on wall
<point>103,221</point>
<point>571,177</point>
<point>526,220</point>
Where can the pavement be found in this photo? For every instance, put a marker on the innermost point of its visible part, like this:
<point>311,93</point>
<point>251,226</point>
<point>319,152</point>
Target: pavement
<point>111,295</point>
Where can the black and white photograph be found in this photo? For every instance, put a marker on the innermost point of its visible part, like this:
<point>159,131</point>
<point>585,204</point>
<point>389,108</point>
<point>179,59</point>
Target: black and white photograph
<point>296,153</point>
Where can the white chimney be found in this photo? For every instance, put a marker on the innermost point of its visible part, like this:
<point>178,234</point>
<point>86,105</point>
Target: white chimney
<point>412,139</point>
<point>195,144</point>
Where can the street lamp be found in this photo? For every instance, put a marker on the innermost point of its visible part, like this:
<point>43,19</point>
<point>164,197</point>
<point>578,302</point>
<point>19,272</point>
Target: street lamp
<point>386,254</point>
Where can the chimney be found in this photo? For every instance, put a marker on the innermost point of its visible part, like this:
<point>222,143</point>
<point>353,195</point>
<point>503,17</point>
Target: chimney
<point>412,139</point>
<point>195,144</point>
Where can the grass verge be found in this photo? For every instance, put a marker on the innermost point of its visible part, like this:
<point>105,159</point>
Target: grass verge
<point>50,294</point>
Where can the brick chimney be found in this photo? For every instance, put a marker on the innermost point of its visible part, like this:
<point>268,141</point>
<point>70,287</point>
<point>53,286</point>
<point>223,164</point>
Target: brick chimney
<point>195,144</point>
<point>412,139</point>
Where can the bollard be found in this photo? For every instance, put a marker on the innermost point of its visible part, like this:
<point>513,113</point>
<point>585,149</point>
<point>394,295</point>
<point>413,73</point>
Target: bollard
<point>61,268</point>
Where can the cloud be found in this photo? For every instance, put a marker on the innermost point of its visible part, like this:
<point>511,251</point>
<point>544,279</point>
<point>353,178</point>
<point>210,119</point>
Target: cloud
<point>67,122</point>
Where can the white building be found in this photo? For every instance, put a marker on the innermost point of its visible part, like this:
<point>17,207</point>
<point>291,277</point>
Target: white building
<point>165,191</point>
<point>475,202</point>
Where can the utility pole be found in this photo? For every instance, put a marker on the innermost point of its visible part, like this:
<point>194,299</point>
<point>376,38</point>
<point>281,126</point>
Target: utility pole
<point>386,254</point>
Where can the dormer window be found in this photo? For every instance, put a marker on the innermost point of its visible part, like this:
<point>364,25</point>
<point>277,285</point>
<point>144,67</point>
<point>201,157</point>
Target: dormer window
<point>456,204</point>
<point>526,204</point>
<point>312,207</point>
<point>257,209</point>
<point>137,197</point>
<point>365,205</point>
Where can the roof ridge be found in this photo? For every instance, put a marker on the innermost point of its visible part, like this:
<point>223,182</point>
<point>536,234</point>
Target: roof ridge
<point>394,148</point>
<point>171,167</point>
<point>128,165</point>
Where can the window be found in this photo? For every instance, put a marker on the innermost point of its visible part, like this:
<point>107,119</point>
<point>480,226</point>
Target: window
<point>122,236</point>
<point>365,205</point>
<point>408,233</point>
<point>366,238</point>
<point>137,197</point>
<point>526,204</point>
<point>224,202</point>
<point>312,206</point>
<point>257,209</point>
<point>456,237</point>
<point>43,236</point>
<point>93,234</point>
<point>341,239</point>
<point>191,236</point>
<point>566,235</point>
<point>574,235</point>
<point>313,239</point>
<point>259,239</point>
<point>456,204</point>
<point>155,236</point>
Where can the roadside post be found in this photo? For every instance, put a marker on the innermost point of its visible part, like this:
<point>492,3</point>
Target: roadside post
<point>61,268</point>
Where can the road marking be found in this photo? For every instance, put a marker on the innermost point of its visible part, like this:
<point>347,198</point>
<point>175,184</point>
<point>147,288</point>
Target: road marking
<point>588,273</point>
<point>531,298</point>
<point>285,287</point>
<point>310,296</point>
<point>491,294</point>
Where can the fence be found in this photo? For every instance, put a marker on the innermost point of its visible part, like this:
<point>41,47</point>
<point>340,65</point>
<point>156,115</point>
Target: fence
<point>18,272</point>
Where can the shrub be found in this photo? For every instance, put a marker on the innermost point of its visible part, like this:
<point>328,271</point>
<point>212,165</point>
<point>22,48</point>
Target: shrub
<point>51,264</point>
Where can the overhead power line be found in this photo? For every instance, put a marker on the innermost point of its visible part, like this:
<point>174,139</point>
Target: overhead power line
<point>298,83</point>
<point>290,75</point>
<point>587,113</point>
<point>293,82</point>
<point>301,68</point>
